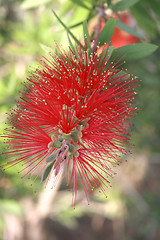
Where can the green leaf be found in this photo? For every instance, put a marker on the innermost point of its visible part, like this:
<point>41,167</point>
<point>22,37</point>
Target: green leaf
<point>33,4</point>
<point>67,29</point>
<point>86,35</point>
<point>72,47</point>
<point>129,29</point>
<point>107,31</point>
<point>75,25</point>
<point>47,172</point>
<point>124,4</point>
<point>136,51</point>
<point>52,157</point>
<point>70,42</point>
<point>81,4</point>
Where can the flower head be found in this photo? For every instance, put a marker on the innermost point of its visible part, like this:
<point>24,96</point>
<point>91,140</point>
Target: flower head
<point>73,118</point>
<point>121,38</point>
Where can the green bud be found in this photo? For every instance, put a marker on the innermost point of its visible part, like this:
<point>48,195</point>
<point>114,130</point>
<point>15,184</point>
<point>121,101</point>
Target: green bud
<point>66,136</point>
<point>78,147</point>
<point>61,139</point>
<point>71,148</point>
<point>76,154</point>
<point>75,140</point>
<point>53,137</point>
<point>75,134</point>
<point>57,144</point>
<point>50,145</point>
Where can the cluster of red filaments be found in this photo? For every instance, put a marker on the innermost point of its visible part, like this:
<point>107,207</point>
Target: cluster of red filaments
<point>73,118</point>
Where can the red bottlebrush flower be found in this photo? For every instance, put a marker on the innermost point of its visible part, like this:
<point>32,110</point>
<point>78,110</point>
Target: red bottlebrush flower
<point>74,115</point>
<point>121,38</point>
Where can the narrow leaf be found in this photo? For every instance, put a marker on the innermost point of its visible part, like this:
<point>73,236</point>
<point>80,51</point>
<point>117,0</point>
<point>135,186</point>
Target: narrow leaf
<point>47,172</point>
<point>75,25</point>
<point>136,51</point>
<point>86,35</point>
<point>129,29</point>
<point>70,43</point>
<point>107,31</point>
<point>52,157</point>
<point>67,29</point>
<point>121,5</point>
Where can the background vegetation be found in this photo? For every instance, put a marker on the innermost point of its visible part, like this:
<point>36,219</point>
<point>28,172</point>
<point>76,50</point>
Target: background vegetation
<point>132,210</point>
